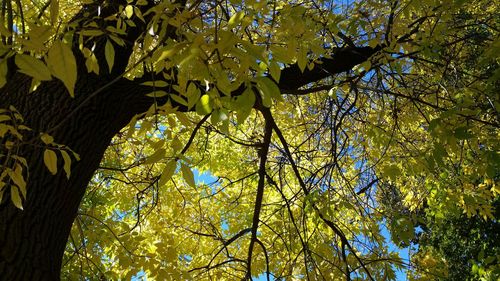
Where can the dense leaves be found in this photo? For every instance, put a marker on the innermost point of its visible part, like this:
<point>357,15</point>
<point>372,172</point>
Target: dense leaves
<point>279,139</point>
<point>469,246</point>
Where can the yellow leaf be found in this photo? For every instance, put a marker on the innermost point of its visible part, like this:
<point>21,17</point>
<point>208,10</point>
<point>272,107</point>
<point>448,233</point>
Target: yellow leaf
<point>333,93</point>
<point>21,160</point>
<point>171,51</point>
<point>91,32</point>
<point>157,94</point>
<point>156,83</point>
<point>54,10</point>
<point>3,73</point>
<point>129,11</point>
<point>187,174</point>
<point>18,179</point>
<point>157,156</point>
<point>275,71</point>
<point>203,105</point>
<point>4,31</point>
<point>62,64</point>
<point>4,118</point>
<point>50,160</point>
<point>76,155</point>
<point>2,190</point>
<point>168,172</point>
<point>235,19</point>
<point>47,139</point>
<point>92,65</point>
<point>268,89</point>
<point>109,52</point>
<point>183,119</point>
<point>67,163</point>
<point>33,67</point>
<point>302,59</point>
<point>15,197</point>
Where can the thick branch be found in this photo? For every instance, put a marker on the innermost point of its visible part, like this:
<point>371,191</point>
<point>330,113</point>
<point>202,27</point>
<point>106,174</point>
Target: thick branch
<point>260,192</point>
<point>291,77</point>
<point>342,60</point>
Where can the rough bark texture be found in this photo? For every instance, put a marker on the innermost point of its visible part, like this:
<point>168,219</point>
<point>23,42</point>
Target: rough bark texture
<point>32,241</point>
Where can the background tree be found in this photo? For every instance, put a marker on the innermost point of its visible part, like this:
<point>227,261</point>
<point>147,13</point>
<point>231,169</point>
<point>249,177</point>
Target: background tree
<point>469,245</point>
<point>320,123</point>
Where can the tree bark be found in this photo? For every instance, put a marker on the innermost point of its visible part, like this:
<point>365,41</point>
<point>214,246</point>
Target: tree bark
<point>32,241</point>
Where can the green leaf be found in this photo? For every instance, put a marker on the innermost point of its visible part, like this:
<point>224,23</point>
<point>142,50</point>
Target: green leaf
<point>218,115</point>
<point>33,67</point>
<point>62,65</point>
<point>243,105</point>
<point>245,101</point>
<point>50,160</point>
<point>462,133</point>
<point>171,51</point>
<point>188,175</point>
<point>67,163</point>
<point>242,115</point>
<point>109,53</point>
<point>254,51</point>
<point>439,153</point>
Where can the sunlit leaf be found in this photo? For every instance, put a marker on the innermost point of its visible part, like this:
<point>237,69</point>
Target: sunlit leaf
<point>188,175</point>
<point>168,172</point>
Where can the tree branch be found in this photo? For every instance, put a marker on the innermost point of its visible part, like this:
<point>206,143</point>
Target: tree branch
<point>260,192</point>
<point>267,114</point>
<point>343,59</point>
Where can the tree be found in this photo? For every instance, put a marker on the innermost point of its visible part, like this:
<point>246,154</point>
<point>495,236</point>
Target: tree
<point>470,246</point>
<point>309,114</point>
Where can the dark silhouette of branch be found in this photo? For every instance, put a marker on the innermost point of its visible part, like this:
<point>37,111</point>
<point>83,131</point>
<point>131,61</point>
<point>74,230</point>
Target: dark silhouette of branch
<point>263,149</point>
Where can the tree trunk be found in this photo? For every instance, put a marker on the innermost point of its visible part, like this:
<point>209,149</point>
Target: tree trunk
<point>32,241</point>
